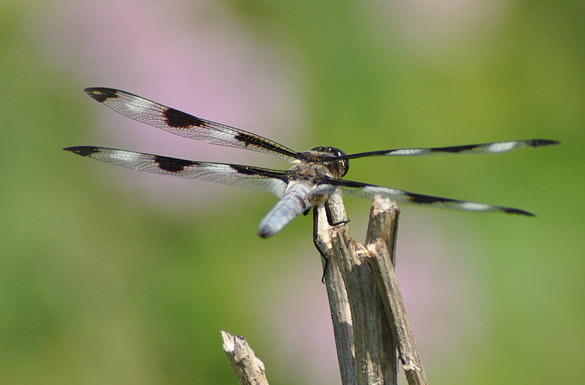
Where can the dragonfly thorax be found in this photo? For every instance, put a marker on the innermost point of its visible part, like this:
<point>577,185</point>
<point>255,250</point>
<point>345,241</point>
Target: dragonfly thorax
<point>337,168</point>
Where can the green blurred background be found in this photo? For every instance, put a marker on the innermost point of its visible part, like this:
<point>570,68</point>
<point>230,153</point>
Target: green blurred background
<point>110,277</point>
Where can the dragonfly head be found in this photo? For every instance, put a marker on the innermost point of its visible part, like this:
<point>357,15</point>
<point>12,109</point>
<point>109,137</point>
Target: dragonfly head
<point>340,167</point>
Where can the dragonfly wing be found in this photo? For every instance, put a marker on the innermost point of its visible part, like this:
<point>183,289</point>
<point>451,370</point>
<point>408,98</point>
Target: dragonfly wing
<point>481,148</point>
<point>364,190</point>
<point>183,124</point>
<point>274,181</point>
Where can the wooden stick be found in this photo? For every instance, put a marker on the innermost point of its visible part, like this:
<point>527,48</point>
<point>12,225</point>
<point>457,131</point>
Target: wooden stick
<point>374,348</point>
<point>380,243</point>
<point>249,369</point>
<point>338,301</point>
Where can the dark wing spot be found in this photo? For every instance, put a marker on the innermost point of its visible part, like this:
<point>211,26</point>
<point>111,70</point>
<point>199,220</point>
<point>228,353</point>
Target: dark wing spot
<point>245,170</point>
<point>510,210</point>
<point>245,138</point>
<point>101,94</point>
<point>267,144</point>
<point>427,199</point>
<point>83,150</point>
<point>456,149</point>
<point>543,142</point>
<point>262,172</point>
<point>179,119</point>
<point>258,142</point>
<point>172,164</point>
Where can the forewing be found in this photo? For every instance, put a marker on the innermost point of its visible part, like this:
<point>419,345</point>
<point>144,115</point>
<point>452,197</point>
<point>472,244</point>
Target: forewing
<point>481,148</point>
<point>364,190</point>
<point>257,178</point>
<point>183,124</point>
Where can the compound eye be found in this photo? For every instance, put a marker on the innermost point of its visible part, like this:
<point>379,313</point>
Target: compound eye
<point>344,166</point>
<point>335,151</point>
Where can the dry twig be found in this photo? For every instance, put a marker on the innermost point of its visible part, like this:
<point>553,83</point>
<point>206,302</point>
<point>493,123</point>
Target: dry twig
<point>369,319</point>
<point>248,368</point>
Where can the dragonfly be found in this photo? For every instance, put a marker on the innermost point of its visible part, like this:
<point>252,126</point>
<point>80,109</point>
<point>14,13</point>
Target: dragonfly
<point>314,176</point>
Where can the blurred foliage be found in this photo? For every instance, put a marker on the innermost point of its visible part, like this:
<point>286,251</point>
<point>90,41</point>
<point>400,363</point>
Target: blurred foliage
<point>97,289</point>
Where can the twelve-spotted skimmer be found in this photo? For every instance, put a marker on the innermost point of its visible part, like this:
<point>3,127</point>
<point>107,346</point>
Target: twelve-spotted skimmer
<point>315,175</point>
